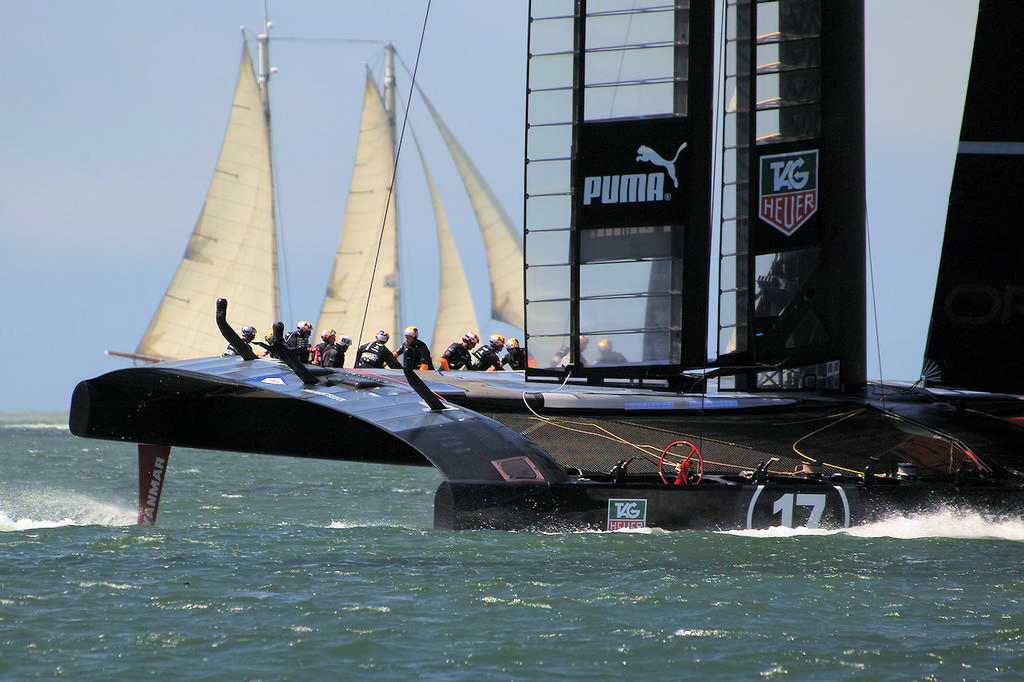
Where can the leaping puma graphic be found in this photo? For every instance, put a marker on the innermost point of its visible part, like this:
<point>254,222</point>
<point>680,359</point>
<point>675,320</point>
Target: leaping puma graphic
<point>645,153</point>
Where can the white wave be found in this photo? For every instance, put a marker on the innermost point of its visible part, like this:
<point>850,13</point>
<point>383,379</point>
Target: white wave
<point>944,524</point>
<point>37,426</point>
<point>947,523</point>
<point>54,509</point>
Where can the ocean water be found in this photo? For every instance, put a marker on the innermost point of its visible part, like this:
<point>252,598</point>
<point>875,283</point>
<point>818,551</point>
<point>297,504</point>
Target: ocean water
<point>263,568</point>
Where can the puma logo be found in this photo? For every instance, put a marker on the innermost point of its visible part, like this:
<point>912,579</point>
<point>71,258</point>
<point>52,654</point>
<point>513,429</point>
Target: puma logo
<point>645,153</point>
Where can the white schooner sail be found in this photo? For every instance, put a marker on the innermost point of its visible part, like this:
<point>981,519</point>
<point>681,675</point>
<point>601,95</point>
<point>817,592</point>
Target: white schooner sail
<point>365,274</point>
<point>232,253</point>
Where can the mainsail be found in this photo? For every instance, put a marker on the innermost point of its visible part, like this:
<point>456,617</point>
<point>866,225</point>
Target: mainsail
<point>365,274</point>
<point>974,341</point>
<point>366,233</point>
<point>455,312</point>
<point>232,253</point>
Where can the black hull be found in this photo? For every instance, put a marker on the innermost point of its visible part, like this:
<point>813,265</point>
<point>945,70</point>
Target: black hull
<point>592,505</point>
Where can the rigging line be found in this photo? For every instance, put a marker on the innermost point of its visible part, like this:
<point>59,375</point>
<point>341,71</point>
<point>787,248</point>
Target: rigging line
<point>352,41</point>
<point>819,430</point>
<point>874,304</point>
<point>568,374</point>
<point>394,174</point>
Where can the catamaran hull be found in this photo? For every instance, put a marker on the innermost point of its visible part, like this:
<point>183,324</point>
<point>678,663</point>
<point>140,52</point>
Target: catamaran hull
<point>601,507</point>
<point>518,469</point>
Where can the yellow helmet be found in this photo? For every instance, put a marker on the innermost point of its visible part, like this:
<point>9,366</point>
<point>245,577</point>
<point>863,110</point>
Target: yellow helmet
<point>604,345</point>
<point>327,333</point>
<point>511,343</point>
<point>412,331</point>
<point>497,341</point>
<point>304,326</point>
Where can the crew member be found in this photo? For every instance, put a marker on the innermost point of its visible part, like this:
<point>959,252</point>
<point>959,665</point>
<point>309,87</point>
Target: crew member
<point>248,334</point>
<point>417,354</point>
<point>334,354</point>
<point>515,357</point>
<point>268,341</point>
<point>376,353</point>
<point>608,355</point>
<point>561,358</point>
<point>487,359</point>
<point>298,341</point>
<point>457,356</point>
<point>316,353</point>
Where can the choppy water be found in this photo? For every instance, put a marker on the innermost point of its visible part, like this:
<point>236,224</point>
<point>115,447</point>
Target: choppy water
<point>270,568</point>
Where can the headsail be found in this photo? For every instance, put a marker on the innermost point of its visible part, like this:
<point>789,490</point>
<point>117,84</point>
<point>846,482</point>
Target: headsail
<point>455,312</point>
<point>232,253</point>
<point>978,314</point>
<point>367,235</point>
<point>502,240</point>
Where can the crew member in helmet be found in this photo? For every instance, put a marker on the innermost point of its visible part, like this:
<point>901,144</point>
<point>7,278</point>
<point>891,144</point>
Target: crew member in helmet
<point>334,354</point>
<point>376,354</point>
<point>417,354</point>
<point>457,356</point>
<point>247,335</point>
<point>562,357</point>
<point>316,353</point>
<point>268,341</point>
<point>608,355</point>
<point>515,357</point>
<point>487,359</point>
<point>298,341</point>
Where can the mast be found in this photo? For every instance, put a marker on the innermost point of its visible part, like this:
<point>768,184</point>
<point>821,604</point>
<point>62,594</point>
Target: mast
<point>264,71</point>
<point>390,86</point>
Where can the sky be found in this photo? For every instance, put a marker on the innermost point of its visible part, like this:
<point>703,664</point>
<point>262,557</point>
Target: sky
<point>114,113</point>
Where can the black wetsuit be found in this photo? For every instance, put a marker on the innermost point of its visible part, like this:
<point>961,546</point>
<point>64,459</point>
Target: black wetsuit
<point>486,358</point>
<point>316,353</point>
<point>416,353</point>
<point>333,355</point>
<point>376,354</point>
<point>457,356</point>
<point>612,357</point>
<point>515,358</point>
<point>299,345</point>
<point>230,350</point>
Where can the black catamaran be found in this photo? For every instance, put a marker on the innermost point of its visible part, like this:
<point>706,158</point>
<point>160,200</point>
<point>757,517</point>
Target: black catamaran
<point>657,135</point>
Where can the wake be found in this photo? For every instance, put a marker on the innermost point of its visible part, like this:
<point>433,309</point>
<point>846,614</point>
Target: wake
<point>29,510</point>
<point>947,523</point>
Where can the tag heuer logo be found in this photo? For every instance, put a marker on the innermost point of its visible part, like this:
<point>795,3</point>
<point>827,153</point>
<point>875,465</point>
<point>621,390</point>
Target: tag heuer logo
<point>627,514</point>
<point>789,189</point>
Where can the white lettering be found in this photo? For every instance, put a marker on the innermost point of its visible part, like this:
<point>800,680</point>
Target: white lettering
<point>624,189</point>
<point>786,174</point>
<point>626,510</point>
<point>591,190</point>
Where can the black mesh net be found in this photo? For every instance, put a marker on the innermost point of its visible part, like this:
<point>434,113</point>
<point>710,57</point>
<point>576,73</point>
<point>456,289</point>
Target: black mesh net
<point>841,441</point>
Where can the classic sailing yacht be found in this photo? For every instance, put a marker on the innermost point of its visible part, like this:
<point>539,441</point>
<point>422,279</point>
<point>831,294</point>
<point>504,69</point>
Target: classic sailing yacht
<point>232,252</point>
